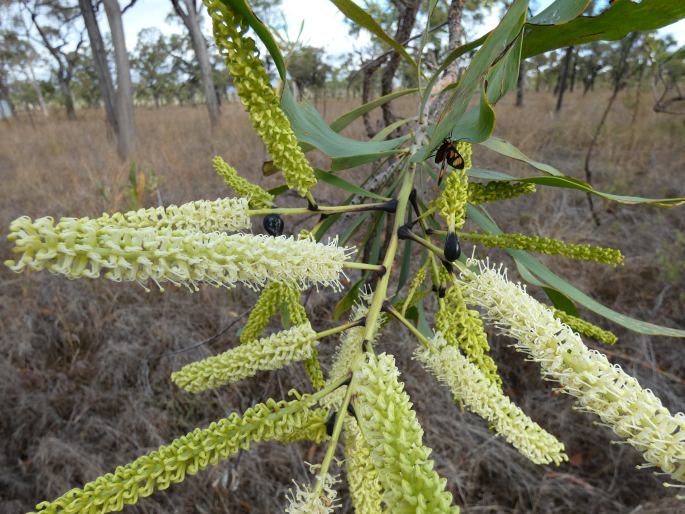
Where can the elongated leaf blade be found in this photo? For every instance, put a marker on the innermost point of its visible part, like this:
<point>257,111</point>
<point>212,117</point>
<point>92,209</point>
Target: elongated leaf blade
<point>497,42</point>
<point>362,18</point>
<point>623,17</point>
<point>347,118</point>
<point>504,147</point>
<point>341,183</point>
<point>559,12</point>
<point>310,128</point>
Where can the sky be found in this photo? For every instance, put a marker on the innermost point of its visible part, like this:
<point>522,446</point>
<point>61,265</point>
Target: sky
<point>324,25</point>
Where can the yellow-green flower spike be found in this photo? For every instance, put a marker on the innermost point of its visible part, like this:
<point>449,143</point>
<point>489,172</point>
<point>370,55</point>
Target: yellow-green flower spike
<point>266,306</point>
<point>585,327</point>
<point>254,89</point>
<point>498,190</point>
<point>258,198</point>
<point>390,427</point>
<point>462,328</point>
<point>473,389</point>
<point>634,413</point>
<point>451,204</point>
<point>414,286</point>
<point>362,478</point>
<point>304,500</point>
<point>223,215</point>
<point>83,248</point>
<point>548,246</point>
<point>269,353</point>
<point>270,421</point>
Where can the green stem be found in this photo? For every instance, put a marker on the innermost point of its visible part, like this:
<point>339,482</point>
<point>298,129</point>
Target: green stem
<point>325,209</point>
<point>408,234</point>
<point>363,265</point>
<point>415,331</point>
<point>381,290</point>
<point>333,443</point>
<point>339,328</point>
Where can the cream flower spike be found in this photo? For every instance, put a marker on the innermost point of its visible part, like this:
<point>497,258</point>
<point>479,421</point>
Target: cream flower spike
<point>222,215</point>
<point>480,395</point>
<point>269,353</point>
<point>600,387</point>
<point>84,248</point>
<point>302,500</point>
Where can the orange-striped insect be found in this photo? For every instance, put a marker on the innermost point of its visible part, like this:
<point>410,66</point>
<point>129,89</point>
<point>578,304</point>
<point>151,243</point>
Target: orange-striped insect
<point>447,153</point>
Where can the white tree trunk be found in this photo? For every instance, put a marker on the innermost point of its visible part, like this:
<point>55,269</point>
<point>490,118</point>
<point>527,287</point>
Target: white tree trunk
<point>124,93</point>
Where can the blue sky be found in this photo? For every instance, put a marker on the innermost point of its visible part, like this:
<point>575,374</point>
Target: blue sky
<point>323,27</point>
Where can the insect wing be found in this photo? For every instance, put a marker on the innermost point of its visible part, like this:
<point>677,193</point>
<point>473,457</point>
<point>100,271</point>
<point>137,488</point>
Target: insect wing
<point>455,159</point>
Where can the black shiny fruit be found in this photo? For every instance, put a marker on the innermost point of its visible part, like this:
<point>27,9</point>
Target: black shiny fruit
<point>452,248</point>
<point>273,224</point>
<point>330,424</point>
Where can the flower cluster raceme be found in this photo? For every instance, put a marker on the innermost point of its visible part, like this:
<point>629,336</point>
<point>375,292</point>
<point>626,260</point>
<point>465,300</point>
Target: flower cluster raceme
<point>634,413</point>
<point>269,353</point>
<point>80,248</point>
<point>258,198</point>
<point>466,151</point>
<point>270,421</point>
<point>497,190</point>
<point>254,89</point>
<point>451,204</point>
<point>549,246</point>
<point>268,303</point>
<point>305,500</point>
<point>585,327</point>
<point>362,477</point>
<point>395,437</point>
<point>462,328</point>
<point>223,215</point>
<point>474,389</point>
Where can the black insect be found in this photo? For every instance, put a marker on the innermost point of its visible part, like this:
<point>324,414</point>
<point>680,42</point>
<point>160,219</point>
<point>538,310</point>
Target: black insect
<point>447,153</point>
<point>273,224</point>
<point>330,424</point>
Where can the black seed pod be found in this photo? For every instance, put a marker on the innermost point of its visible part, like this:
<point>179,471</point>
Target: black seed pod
<point>273,224</point>
<point>351,411</point>
<point>452,247</point>
<point>330,424</point>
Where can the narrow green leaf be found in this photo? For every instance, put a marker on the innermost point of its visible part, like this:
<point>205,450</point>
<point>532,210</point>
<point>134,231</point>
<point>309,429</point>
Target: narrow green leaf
<point>503,147</point>
<point>559,12</point>
<point>559,179</point>
<point>546,276</point>
<point>310,128</point>
<point>406,266</point>
<point>613,24</point>
<point>421,322</point>
<point>477,124</point>
<point>362,18</point>
<point>347,301</point>
<point>503,76</point>
<point>497,42</point>
<point>341,183</point>
<point>262,31</point>
<point>347,118</point>
<point>386,131</point>
<point>561,301</point>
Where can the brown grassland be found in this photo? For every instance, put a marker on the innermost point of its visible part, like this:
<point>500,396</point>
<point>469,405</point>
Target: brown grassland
<point>84,366</point>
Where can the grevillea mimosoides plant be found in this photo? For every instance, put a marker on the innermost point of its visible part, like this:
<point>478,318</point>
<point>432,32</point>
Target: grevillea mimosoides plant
<point>358,399</point>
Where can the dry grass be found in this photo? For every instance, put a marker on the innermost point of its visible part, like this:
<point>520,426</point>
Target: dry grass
<point>84,366</point>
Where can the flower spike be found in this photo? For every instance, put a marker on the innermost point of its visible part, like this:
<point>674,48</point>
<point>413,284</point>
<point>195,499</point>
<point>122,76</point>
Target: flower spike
<point>270,421</point>
<point>273,352</point>
<point>254,89</point>
<point>481,396</point>
<point>395,437</point>
<point>83,248</point>
<point>257,197</point>
<point>600,387</point>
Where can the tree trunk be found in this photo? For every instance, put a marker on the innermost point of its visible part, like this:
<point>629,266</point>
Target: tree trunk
<point>5,95</point>
<point>124,93</point>
<point>407,17</point>
<point>456,30</point>
<point>68,98</point>
<point>574,66</point>
<point>191,20</point>
<point>97,46</point>
<point>563,76</point>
